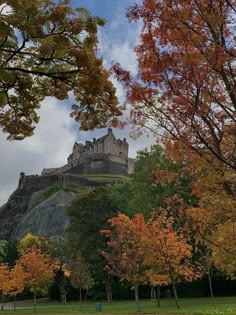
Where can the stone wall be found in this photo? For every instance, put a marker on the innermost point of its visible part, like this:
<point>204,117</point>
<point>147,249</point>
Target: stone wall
<point>100,167</point>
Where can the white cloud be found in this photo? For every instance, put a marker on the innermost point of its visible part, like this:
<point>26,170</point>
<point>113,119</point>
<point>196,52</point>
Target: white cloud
<point>49,147</point>
<point>5,9</point>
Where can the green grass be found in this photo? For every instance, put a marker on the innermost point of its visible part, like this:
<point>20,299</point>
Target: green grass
<point>196,306</point>
<point>106,177</point>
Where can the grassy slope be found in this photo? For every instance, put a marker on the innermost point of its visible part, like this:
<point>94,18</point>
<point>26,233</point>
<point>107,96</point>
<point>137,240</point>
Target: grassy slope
<point>105,177</point>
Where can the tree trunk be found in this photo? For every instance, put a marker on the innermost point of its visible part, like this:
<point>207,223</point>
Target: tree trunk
<point>62,289</point>
<point>210,286</point>
<point>137,297</point>
<point>80,296</point>
<point>175,295</point>
<point>3,301</point>
<point>158,296</point>
<point>14,303</point>
<point>34,301</point>
<point>86,293</point>
<point>153,293</point>
<point>109,289</point>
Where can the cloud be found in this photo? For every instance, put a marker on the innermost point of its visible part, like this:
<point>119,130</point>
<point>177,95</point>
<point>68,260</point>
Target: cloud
<point>5,9</point>
<point>49,147</point>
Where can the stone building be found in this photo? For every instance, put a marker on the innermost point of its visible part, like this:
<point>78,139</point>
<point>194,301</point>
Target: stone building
<point>106,155</point>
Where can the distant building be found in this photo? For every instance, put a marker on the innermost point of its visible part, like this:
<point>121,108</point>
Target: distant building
<point>106,155</point>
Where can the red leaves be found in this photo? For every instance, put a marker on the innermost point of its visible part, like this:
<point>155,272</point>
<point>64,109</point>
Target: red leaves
<point>186,73</point>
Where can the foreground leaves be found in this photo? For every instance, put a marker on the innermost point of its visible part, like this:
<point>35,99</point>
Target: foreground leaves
<point>49,49</point>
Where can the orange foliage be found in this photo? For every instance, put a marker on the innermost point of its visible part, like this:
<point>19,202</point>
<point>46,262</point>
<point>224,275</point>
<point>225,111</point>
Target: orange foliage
<point>37,268</point>
<point>128,246</point>
<point>4,278</point>
<point>185,87</point>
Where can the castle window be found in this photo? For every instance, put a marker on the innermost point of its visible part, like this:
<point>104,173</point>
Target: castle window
<point>120,152</point>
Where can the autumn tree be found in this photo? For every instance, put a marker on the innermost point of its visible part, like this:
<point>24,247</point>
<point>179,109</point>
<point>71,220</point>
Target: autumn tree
<point>170,255</point>
<point>30,240</point>
<point>55,249</point>
<point>126,257</point>
<point>185,93</point>
<point>186,82</point>
<point>4,278</point>
<point>16,282</point>
<point>80,275</point>
<point>38,270</point>
<point>49,49</point>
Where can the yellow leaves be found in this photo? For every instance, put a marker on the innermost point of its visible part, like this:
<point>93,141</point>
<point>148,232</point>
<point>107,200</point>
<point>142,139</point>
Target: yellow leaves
<point>223,248</point>
<point>29,241</point>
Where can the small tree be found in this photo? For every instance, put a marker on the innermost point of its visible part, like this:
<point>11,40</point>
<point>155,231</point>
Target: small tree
<point>4,278</point>
<point>169,255</point>
<point>126,257</point>
<point>16,282</point>
<point>80,275</point>
<point>38,270</point>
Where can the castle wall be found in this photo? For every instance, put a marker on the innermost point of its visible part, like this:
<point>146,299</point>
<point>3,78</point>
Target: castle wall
<point>100,167</point>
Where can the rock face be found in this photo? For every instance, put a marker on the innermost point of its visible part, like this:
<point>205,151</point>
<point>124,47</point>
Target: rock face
<point>18,204</point>
<point>48,218</point>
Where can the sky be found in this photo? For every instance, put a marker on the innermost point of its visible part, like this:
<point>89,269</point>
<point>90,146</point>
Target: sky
<point>56,132</point>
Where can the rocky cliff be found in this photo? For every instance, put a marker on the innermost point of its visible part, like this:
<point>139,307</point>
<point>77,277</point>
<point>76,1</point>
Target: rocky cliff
<point>18,205</point>
<point>47,218</point>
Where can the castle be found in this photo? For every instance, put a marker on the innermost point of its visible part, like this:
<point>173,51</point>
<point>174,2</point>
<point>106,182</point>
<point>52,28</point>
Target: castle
<point>106,155</point>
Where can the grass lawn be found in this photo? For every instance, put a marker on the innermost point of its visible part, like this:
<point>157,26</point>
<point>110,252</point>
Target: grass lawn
<point>198,306</point>
<point>106,177</point>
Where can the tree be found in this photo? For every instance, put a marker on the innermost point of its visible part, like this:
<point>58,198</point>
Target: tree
<point>30,240</point>
<point>49,49</point>
<point>4,277</point>
<point>80,276</point>
<point>169,254</point>
<point>185,89</point>
<point>88,214</point>
<point>185,93</point>
<point>155,180</point>
<point>126,257</point>
<point>223,249</point>
<point>38,270</point>
<point>16,282</point>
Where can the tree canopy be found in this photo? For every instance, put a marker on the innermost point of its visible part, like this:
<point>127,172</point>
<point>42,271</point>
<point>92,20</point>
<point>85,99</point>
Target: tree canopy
<point>49,49</point>
<point>185,87</point>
